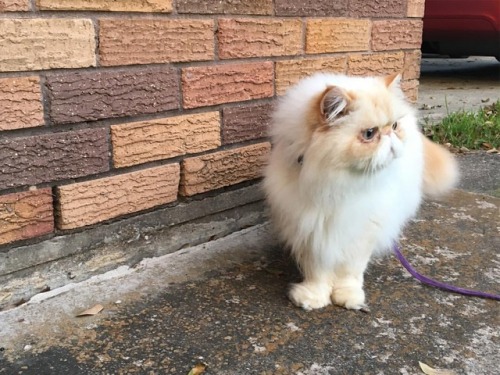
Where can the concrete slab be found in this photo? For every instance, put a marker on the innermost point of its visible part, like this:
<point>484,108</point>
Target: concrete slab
<point>223,303</point>
<point>451,85</point>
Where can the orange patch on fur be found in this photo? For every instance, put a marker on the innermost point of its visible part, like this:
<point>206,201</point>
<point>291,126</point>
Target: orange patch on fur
<point>440,169</point>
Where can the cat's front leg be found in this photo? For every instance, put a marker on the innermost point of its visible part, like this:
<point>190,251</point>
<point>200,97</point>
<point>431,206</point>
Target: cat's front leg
<point>348,292</point>
<point>347,288</point>
<point>311,294</point>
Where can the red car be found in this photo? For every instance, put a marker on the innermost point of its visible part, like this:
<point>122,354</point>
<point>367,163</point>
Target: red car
<point>461,28</point>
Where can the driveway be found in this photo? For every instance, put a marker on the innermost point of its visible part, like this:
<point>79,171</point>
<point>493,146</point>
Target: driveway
<point>451,85</point>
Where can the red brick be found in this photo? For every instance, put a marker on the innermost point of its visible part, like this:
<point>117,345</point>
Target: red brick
<point>337,35</point>
<point>246,122</point>
<point>375,64</point>
<point>316,8</point>
<point>32,160</point>
<point>95,95</point>
<point>223,168</point>
<point>263,7</point>
<point>146,41</point>
<point>410,88</point>
<point>91,202</point>
<point>210,85</point>
<point>377,8</point>
<point>26,215</point>
<point>140,142</point>
<point>412,64</point>
<point>396,35</point>
<point>20,103</point>
<point>247,37</point>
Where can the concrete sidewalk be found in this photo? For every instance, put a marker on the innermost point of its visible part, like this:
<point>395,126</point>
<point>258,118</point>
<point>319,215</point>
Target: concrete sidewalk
<point>223,303</point>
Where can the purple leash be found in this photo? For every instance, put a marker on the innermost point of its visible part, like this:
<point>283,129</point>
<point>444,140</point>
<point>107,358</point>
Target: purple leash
<point>438,284</point>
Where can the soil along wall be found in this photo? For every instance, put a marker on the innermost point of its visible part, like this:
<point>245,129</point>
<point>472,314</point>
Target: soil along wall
<point>122,121</point>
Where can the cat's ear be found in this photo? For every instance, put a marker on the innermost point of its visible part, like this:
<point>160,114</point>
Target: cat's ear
<point>392,80</point>
<point>334,103</point>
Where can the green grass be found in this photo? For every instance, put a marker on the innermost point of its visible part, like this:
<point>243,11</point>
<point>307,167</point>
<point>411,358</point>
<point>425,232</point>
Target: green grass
<point>473,130</point>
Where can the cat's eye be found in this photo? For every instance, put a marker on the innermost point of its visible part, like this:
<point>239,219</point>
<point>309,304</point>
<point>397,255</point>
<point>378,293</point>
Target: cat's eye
<point>395,126</point>
<point>368,134</point>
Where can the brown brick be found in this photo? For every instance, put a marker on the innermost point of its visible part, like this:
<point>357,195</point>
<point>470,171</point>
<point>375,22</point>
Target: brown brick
<point>91,202</point>
<point>410,88</point>
<point>246,122</point>
<point>95,95</point>
<point>396,34</point>
<point>337,35</point>
<point>412,64</point>
<point>34,44</point>
<point>145,41</point>
<point>415,8</point>
<point>316,8</point>
<point>144,141</point>
<point>247,37</point>
<point>25,215</point>
<point>51,157</point>
<point>376,64</point>
<point>107,5</point>
<point>20,103</point>
<point>223,168</point>
<point>290,72</point>
<point>14,5</point>
<point>264,7</point>
<point>377,8</point>
<point>210,85</point>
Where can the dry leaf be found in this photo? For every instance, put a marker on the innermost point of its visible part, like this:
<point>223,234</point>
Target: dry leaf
<point>198,369</point>
<point>92,311</point>
<point>435,371</point>
<point>492,151</point>
<point>487,145</point>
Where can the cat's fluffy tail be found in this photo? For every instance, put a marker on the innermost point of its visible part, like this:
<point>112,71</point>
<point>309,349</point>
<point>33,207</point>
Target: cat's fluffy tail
<point>440,169</point>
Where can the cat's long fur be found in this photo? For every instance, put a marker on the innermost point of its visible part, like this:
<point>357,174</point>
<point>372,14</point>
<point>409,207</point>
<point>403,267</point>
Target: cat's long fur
<point>336,197</point>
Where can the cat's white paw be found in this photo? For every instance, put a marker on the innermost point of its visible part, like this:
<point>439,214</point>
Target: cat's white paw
<point>350,297</point>
<point>310,296</point>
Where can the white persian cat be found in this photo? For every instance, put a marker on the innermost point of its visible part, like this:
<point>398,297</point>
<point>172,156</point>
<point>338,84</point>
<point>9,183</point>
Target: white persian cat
<point>348,169</point>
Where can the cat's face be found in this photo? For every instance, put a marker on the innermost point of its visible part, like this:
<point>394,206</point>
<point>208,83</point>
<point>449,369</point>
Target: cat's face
<point>362,130</point>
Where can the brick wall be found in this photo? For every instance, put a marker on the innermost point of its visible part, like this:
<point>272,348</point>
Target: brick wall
<point>110,108</point>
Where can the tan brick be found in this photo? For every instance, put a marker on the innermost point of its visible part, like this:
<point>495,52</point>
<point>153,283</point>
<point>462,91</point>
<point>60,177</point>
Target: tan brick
<point>289,72</point>
<point>14,5</point>
<point>144,141</point>
<point>20,103</point>
<point>375,64</point>
<point>34,44</point>
<point>410,88</point>
<point>26,215</point>
<point>263,7</point>
<point>415,8</point>
<point>210,85</point>
<point>412,64</point>
<point>247,37</point>
<point>107,5</point>
<point>145,41</point>
<point>337,35</point>
<point>223,168</point>
<point>91,202</point>
<point>396,34</point>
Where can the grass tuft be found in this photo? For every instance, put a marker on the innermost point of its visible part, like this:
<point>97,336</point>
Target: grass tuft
<point>473,130</point>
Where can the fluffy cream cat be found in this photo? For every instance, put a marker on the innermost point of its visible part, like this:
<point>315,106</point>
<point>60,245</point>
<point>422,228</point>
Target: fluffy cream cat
<point>348,169</point>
